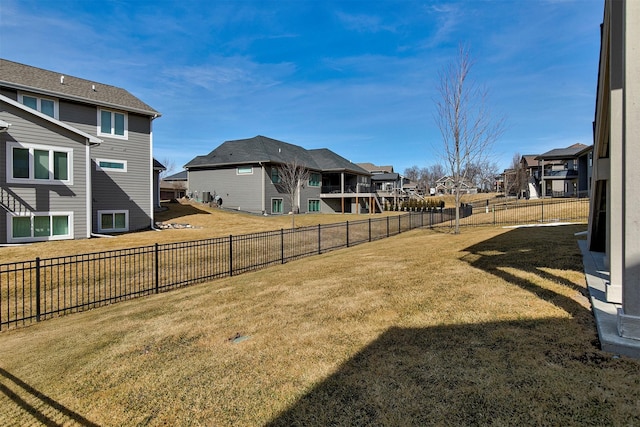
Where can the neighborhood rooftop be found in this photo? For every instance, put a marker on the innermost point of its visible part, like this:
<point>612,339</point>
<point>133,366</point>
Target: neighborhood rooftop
<point>26,77</point>
<point>261,149</point>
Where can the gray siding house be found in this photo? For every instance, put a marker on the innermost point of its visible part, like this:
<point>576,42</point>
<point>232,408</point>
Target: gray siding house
<point>244,174</point>
<point>77,157</point>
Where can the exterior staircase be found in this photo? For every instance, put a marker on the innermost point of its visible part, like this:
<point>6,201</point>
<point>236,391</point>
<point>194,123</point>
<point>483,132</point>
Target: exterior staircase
<point>532,187</point>
<point>12,203</point>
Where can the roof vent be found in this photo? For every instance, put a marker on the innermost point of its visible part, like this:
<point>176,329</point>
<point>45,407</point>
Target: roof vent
<point>93,88</point>
<point>61,80</point>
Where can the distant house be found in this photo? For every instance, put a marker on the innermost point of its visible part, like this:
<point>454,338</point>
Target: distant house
<point>244,174</point>
<point>77,157</point>
<point>565,172</point>
<point>446,185</point>
<point>174,186</point>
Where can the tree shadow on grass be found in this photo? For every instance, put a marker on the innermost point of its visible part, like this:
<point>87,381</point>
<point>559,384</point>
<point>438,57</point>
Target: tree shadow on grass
<point>546,371</point>
<point>45,410</point>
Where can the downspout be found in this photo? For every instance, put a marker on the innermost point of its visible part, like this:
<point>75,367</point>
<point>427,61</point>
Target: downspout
<point>88,189</point>
<point>262,188</point>
<point>152,178</point>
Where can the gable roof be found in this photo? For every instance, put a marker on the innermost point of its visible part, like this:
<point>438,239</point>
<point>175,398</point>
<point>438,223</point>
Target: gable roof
<point>389,176</point>
<point>180,176</point>
<point>261,149</point>
<point>370,167</point>
<point>90,138</point>
<point>55,84</point>
<point>570,152</point>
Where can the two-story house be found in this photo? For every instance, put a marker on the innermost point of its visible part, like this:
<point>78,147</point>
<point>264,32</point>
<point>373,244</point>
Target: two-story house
<point>244,174</point>
<point>75,157</point>
<point>566,172</point>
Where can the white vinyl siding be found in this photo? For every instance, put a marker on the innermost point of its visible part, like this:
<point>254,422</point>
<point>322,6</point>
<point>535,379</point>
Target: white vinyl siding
<point>39,164</point>
<point>40,226</point>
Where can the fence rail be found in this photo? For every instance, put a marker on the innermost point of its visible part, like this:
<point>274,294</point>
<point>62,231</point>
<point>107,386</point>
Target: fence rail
<point>43,288</point>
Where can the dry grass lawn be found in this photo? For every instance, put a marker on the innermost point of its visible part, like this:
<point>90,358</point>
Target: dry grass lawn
<point>489,327</point>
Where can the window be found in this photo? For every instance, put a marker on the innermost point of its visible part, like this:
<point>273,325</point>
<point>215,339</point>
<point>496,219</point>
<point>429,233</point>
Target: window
<point>38,164</point>
<point>111,165</point>
<point>44,105</point>
<point>41,226</point>
<point>244,170</point>
<point>275,175</point>
<point>276,205</point>
<point>314,180</point>
<point>314,205</point>
<point>113,221</point>
<point>112,123</point>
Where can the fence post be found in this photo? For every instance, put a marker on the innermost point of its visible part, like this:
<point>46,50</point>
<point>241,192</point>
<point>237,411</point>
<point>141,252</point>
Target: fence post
<point>399,224</point>
<point>387,226</point>
<point>230,255</point>
<point>282,246</point>
<point>37,289</point>
<point>347,233</point>
<point>156,269</point>
<point>493,208</point>
<point>542,206</point>
<point>369,229</point>
<point>319,234</point>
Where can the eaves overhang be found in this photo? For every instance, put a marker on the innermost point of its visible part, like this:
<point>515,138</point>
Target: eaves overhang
<point>152,113</point>
<point>90,138</point>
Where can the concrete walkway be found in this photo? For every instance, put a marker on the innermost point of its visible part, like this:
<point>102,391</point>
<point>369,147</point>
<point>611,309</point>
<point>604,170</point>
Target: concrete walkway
<point>605,313</point>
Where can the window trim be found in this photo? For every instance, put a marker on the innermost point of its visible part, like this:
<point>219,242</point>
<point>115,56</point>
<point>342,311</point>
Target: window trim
<point>281,205</point>
<point>113,212</point>
<point>112,134</point>
<point>309,205</point>
<point>110,169</point>
<point>238,172</point>
<point>317,183</point>
<point>32,180</point>
<point>32,215</point>
<point>276,171</point>
<point>39,99</point>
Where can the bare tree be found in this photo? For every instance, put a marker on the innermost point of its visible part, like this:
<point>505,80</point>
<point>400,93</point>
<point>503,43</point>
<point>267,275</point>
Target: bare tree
<point>468,129</point>
<point>292,176</point>
<point>516,178</point>
<point>170,165</point>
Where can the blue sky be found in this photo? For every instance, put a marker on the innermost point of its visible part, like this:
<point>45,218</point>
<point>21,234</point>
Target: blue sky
<point>357,77</point>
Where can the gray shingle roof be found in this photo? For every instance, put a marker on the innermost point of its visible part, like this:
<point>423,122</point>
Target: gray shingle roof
<point>261,149</point>
<point>38,80</point>
<point>180,176</point>
<point>563,153</point>
<point>393,176</point>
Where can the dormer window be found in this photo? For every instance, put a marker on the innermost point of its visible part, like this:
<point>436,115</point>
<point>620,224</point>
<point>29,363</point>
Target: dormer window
<point>112,123</point>
<point>46,106</point>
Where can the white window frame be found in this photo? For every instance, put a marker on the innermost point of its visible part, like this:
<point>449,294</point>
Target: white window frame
<point>281,205</point>
<point>317,183</point>
<point>113,212</point>
<point>39,99</point>
<point>32,180</point>
<point>33,238</point>
<point>239,172</point>
<point>112,134</point>
<point>110,169</point>
<point>313,200</point>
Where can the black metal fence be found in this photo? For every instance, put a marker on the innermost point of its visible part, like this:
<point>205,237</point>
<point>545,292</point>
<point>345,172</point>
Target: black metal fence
<point>43,288</point>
